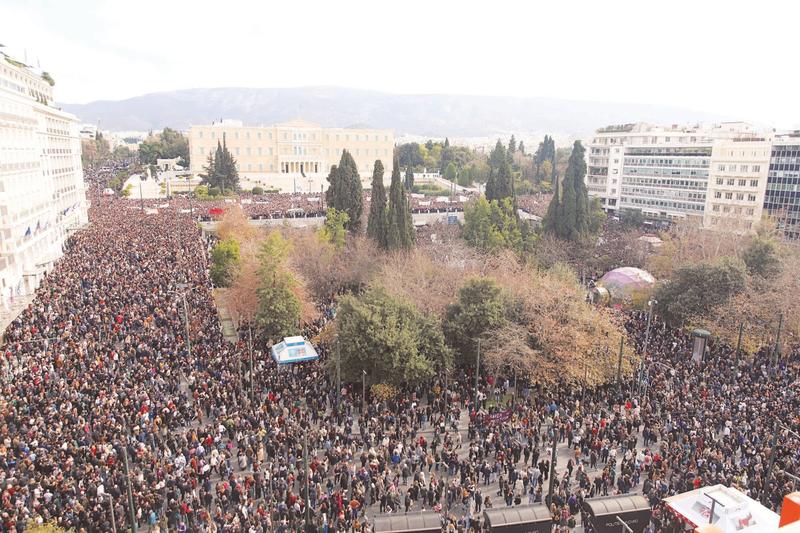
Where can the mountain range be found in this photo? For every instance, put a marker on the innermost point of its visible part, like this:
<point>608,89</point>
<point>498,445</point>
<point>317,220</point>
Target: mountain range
<point>434,115</point>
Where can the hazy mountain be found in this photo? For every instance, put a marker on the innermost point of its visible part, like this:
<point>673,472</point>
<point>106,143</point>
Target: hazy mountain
<point>425,114</point>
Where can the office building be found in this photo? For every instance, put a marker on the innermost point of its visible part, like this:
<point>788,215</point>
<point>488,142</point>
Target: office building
<point>782,195</point>
<point>668,172</point>
<point>42,198</point>
<point>296,150</point>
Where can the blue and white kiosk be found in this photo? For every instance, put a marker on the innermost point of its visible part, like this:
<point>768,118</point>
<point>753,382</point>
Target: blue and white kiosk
<point>293,350</point>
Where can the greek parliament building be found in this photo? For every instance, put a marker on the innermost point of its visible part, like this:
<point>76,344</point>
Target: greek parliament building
<point>42,198</point>
<point>295,149</point>
<point>725,175</point>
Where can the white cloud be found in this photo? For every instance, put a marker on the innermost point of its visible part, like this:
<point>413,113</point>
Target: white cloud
<point>735,58</point>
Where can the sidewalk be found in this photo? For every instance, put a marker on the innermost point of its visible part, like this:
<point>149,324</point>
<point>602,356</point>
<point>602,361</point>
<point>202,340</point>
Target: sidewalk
<point>7,316</point>
<point>225,320</point>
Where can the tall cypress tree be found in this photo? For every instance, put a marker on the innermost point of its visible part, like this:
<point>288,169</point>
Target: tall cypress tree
<point>490,186</point>
<point>503,186</point>
<point>401,226</point>
<point>409,181</point>
<point>568,213</point>
<point>345,192</point>
<point>576,166</point>
<point>447,156</point>
<point>377,223</point>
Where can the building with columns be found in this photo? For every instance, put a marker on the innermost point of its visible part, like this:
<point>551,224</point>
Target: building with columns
<point>42,197</point>
<point>290,152</point>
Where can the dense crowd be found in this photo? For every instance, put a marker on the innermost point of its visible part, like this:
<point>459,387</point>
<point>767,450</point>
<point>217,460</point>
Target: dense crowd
<point>99,379</point>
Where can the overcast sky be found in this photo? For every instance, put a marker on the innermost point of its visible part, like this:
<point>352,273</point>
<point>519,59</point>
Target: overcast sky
<point>737,58</point>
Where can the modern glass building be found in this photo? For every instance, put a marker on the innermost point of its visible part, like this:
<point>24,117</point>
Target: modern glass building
<point>666,182</point>
<point>782,197</point>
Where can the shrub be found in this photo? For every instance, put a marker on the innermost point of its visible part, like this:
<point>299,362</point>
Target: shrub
<point>258,190</point>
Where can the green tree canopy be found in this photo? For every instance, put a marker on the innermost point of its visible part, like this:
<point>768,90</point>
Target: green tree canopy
<point>410,155</point>
<point>168,144</point>
<point>278,313</point>
<point>377,223</point>
<point>225,260</point>
<point>333,231</point>
<point>345,192</point>
<point>695,290</point>
<point>481,307</point>
<point>450,172</point>
<point>388,339</point>
<point>761,257</point>
<point>491,226</point>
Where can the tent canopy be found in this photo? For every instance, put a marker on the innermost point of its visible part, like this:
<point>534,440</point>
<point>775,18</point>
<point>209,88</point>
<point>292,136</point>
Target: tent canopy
<point>293,350</point>
<point>409,523</point>
<point>733,511</point>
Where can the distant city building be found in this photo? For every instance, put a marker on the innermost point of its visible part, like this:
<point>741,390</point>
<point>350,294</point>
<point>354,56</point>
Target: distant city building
<point>291,149</point>
<point>782,196</point>
<point>672,173</point>
<point>42,196</point>
<point>89,131</point>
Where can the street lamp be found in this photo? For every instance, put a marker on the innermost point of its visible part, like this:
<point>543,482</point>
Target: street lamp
<point>182,291</point>
<point>650,304</point>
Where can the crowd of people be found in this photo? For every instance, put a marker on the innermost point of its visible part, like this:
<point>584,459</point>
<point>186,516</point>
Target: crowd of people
<point>111,414</point>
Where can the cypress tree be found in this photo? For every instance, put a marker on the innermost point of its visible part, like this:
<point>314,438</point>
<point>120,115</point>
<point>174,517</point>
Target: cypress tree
<point>409,181</point>
<point>577,167</point>
<point>497,156</point>
<point>400,226</point>
<point>512,147</point>
<point>490,186</point>
<point>447,156</point>
<point>568,213</point>
<point>345,192</point>
<point>504,186</point>
<point>377,223</point>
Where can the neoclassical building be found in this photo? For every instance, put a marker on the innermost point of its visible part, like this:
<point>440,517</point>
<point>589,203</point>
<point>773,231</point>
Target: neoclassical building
<point>295,149</point>
<point>42,197</point>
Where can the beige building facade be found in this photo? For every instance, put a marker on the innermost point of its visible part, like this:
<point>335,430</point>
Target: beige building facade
<point>737,182</point>
<point>297,151</point>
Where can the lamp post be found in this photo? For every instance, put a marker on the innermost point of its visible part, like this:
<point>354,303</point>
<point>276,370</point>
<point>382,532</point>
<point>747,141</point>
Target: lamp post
<point>307,475</point>
<point>182,287</point>
<point>777,350</point>
<point>363,392</point>
<point>250,333</point>
<point>477,374</point>
<point>131,510</point>
<point>552,464</point>
<point>738,351</point>
<point>650,304</point>
<point>338,373</point>
<point>113,518</point>
<point>619,360</point>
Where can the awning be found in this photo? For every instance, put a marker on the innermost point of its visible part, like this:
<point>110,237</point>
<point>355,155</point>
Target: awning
<point>522,519</point>
<point>409,523</point>
<point>602,513</point>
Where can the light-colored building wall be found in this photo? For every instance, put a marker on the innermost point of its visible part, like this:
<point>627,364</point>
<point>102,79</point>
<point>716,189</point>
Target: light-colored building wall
<point>295,149</point>
<point>42,196</point>
<point>737,183</point>
<point>669,172</point>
